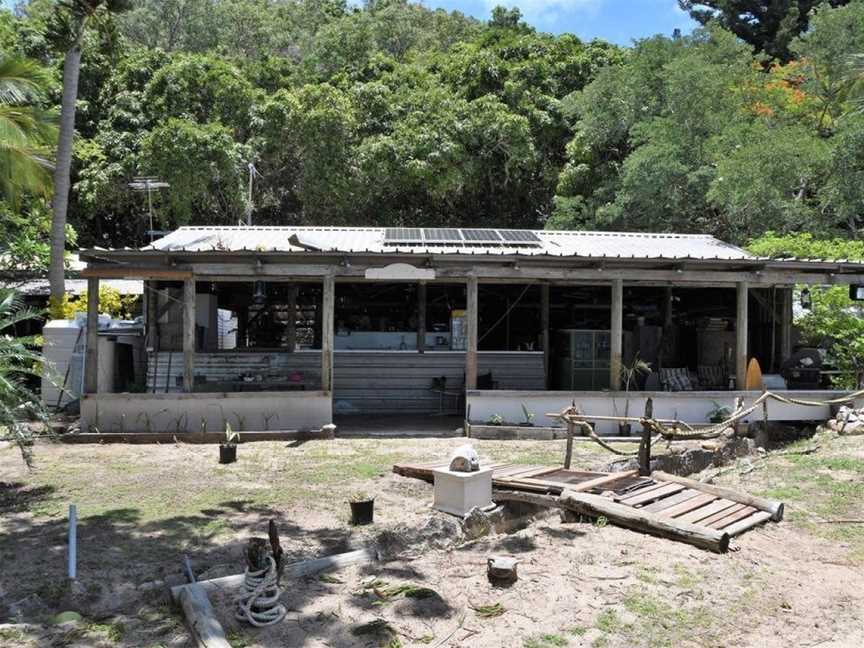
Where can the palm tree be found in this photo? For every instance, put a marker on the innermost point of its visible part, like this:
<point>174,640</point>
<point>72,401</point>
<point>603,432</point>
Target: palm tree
<point>68,28</point>
<point>18,361</point>
<point>26,131</point>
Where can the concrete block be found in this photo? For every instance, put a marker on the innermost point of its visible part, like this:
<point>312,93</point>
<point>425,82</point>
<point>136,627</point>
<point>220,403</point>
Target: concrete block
<point>458,492</point>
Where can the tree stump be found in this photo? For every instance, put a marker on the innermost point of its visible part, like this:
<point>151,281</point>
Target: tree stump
<point>501,570</point>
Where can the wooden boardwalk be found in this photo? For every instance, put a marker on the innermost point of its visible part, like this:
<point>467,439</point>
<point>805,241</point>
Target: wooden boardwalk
<point>672,499</point>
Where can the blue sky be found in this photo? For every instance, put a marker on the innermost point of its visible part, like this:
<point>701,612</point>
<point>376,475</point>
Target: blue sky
<point>619,21</point>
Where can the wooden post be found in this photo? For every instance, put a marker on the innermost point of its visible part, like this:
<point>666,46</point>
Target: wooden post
<point>328,306</point>
<point>544,328</point>
<point>471,322</point>
<point>189,335</point>
<point>421,317</point>
<point>568,453</point>
<point>291,322</point>
<point>785,324</point>
<point>91,359</point>
<point>616,334</point>
<point>201,617</point>
<point>645,443</point>
<point>741,335</point>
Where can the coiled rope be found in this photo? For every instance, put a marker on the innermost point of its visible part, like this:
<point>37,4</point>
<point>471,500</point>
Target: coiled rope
<point>258,602</point>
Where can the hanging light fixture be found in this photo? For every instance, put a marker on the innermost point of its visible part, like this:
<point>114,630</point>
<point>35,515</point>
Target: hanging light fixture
<point>806,299</point>
<point>259,292</point>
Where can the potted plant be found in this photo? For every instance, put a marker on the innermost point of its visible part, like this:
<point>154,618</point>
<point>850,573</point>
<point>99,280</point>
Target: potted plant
<point>529,417</point>
<point>228,448</point>
<point>362,508</point>
<point>629,375</point>
<point>719,414</point>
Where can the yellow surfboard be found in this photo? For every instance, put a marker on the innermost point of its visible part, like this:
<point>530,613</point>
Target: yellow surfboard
<point>754,375</point>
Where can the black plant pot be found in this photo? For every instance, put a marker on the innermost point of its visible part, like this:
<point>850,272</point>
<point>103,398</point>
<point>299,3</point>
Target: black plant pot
<point>227,453</point>
<point>624,429</point>
<point>362,512</point>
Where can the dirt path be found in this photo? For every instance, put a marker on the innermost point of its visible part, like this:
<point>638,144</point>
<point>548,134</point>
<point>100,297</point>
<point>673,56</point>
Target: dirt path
<point>798,583</point>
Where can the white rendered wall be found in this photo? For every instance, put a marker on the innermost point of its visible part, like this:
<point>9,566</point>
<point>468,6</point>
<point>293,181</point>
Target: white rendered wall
<point>691,407</point>
<point>180,413</point>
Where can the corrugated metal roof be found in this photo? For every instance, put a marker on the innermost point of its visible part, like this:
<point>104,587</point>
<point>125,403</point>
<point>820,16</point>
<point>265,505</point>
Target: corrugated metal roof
<point>371,240</point>
<point>77,287</point>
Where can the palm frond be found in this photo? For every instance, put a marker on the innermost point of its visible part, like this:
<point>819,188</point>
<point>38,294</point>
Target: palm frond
<point>22,81</point>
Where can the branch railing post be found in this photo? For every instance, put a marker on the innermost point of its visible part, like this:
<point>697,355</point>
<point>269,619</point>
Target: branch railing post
<point>645,443</point>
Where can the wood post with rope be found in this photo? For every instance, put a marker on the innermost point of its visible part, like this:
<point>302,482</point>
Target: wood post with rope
<point>645,443</point>
<point>568,453</point>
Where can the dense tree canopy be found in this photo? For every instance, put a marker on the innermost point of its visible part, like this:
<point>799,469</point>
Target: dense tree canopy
<point>392,113</point>
<point>768,25</point>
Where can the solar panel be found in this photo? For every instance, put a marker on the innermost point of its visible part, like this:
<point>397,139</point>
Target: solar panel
<point>519,236</point>
<point>481,236</point>
<point>442,235</point>
<point>403,234</point>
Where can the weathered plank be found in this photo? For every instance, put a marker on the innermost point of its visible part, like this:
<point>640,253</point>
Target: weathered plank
<point>771,506</point>
<point>706,511</point>
<point>644,498</point>
<point>732,510</point>
<point>730,519</point>
<point>640,520</point>
<point>685,507</point>
<point>669,502</point>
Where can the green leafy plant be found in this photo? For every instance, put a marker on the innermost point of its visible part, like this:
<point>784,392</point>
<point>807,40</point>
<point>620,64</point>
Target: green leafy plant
<point>495,419</point>
<point>528,414</point>
<point>629,374</point>
<point>718,413</point>
<point>18,361</point>
<point>232,438</point>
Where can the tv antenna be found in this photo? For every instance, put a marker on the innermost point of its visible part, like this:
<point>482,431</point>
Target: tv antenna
<point>148,184</point>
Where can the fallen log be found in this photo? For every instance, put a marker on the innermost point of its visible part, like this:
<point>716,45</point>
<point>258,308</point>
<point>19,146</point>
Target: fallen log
<point>747,523</point>
<point>293,570</point>
<point>625,516</point>
<point>760,503</point>
<point>201,617</point>
<point>639,520</point>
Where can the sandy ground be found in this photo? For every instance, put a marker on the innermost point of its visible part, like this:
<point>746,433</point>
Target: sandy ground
<point>797,583</point>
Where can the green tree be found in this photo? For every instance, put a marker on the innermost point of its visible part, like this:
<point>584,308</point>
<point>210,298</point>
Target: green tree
<point>68,29</point>
<point>18,361</point>
<point>199,87</point>
<point>834,321</point>
<point>768,25</point>
<point>830,59</point>
<point>843,191</point>
<point>26,130</point>
<point>203,165</point>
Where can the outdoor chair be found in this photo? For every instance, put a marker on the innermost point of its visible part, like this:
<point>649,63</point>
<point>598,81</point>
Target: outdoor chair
<point>676,379</point>
<point>714,376</point>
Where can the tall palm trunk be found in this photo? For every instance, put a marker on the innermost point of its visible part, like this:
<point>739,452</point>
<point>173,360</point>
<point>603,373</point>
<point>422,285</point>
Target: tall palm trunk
<point>62,171</point>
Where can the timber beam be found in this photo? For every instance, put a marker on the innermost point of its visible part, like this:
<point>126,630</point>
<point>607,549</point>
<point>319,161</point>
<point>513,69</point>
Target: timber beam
<point>124,272</point>
<point>500,271</point>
